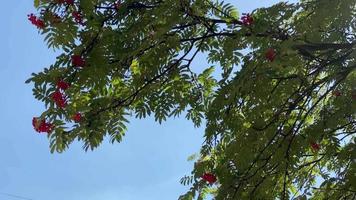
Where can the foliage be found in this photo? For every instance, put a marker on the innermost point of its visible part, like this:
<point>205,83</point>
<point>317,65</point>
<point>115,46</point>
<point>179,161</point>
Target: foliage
<point>280,121</point>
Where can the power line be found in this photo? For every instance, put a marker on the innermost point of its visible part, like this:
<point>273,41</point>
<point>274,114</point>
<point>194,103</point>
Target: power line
<point>15,196</point>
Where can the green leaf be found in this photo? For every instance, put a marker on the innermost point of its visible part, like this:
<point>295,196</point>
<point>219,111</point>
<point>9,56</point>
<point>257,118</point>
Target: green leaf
<point>36,3</point>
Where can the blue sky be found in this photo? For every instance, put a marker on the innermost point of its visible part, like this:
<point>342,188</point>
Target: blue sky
<point>146,165</point>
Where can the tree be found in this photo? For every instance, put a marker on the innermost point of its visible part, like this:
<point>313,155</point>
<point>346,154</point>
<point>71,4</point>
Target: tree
<point>280,121</point>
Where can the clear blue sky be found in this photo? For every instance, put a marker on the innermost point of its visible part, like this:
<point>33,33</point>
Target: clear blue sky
<point>146,165</point>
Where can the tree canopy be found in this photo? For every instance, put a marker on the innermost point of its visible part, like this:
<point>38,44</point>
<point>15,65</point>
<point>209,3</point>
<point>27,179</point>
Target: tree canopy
<point>279,120</point>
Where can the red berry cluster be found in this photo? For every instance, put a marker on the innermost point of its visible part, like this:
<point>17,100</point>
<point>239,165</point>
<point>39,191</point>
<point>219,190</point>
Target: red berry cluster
<point>209,177</point>
<point>62,85</point>
<point>41,125</point>
<point>117,5</point>
<point>78,61</point>
<point>247,19</point>
<point>59,98</point>
<point>68,2</point>
<point>77,117</point>
<point>270,54</point>
<point>315,146</point>
<point>336,93</point>
<point>78,17</point>
<point>353,95</point>
<point>36,21</point>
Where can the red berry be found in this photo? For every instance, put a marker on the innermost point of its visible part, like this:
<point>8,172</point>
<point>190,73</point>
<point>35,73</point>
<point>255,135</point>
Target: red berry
<point>41,126</point>
<point>77,117</point>
<point>315,146</point>
<point>35,123</point>
<point>56,95</point>
<point>78,61</point>
<point>36,21</point>
<point>32,18</point>
<point>40,24</point>
<point>62,85</point>
<point>77,17</point>
<point>117,5</point>
<point>336,93</point>
<point>69,2</point>
<point>353,95</point>
<point>270,54</point>
<point>59,99</point>
<point>246,19</point>
<point>210,178</point>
